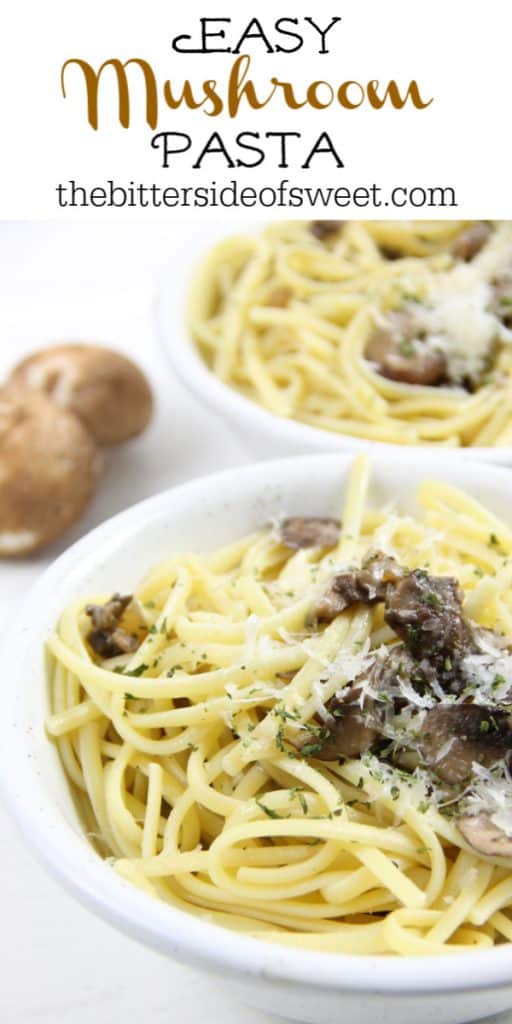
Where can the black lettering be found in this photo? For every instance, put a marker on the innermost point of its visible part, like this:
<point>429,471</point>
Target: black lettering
<point>323,31</point>
<point>323,144</point>
<point>254,30</point>
<point>214,146</point>
<point>252,149</point>
<point>165,140</point>
<point>283,136</point>
<point>292,35</point>
<point>205,36</point>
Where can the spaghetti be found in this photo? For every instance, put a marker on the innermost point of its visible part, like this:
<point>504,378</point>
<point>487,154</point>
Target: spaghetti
<point>329,324</point>
<point>195,743</point>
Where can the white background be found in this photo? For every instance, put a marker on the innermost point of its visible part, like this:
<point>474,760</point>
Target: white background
<point>459,52</point>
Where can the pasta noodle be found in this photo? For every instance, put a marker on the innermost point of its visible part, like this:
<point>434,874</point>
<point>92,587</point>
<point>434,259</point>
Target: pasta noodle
<point>186,755</point>
<point>286,317</point>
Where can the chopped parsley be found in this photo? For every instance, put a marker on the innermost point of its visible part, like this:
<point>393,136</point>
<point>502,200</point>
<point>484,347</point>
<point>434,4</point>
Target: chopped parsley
<point>406,348</point>
<point>431,599</point>
<point>138,671</point>
<point>297,793</point>
<point>267,810</point>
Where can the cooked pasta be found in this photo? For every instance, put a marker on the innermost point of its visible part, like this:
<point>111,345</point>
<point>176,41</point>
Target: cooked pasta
<point>194,722</point>
<point>387,331</point>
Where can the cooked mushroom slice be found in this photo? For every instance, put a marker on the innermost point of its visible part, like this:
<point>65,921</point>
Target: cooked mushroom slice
<point>471,240</point>
<point>351,729</point>
<point>388,252</point>
<point>400,353</point>
<point>485,837</point>
<point>108,637</point>
<point>309,532</point>
<point>108,392</point>
<point>502,297</point>
<point>454,736</point>
<point>325,229</point>
<point>426,613</point>
<point>366,585</point>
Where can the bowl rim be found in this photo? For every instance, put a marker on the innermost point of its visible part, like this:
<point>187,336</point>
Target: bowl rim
<point>73,862</point>
<point>192,371</point>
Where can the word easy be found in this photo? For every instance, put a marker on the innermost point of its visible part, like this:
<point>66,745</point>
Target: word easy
<point>287,35</point>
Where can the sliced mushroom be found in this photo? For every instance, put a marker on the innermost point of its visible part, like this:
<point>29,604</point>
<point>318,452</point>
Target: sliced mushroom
<point>388,252</point>
<point>484,836</point>
<point>400,353</point>
<point>367,586</point>
<point>309,532</point>
<point>325,229</point>
<point>471,240</point>
<point>454,736</point>
<point>351,729</point>
<point>108,637</point>
<point>426,613</point>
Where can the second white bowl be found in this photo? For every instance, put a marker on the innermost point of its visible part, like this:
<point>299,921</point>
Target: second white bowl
<point>265,434</point>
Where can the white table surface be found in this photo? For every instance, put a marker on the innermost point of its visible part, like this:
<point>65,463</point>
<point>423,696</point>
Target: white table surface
<point>60,964</point>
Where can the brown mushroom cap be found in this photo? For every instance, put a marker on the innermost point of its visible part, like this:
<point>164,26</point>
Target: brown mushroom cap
<point>325,229</point>
<point>104,389</point>
<point>366,585</point>
<point>455,736</point>
<point>48,470</point>
<point>471,240</point>
<point>309,532</point>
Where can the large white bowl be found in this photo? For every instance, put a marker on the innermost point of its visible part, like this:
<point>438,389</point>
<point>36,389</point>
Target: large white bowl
<point>265,434</point>
<point>307,986</point>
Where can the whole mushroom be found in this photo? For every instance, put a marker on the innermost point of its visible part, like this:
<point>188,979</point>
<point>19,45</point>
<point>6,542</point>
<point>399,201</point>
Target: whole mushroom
<point>108,393</point>
<point>49,466</point>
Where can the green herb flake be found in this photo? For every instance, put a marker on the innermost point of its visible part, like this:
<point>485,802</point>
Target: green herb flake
<point>138,671</point>
<point>172,670</point>
<point>297,793</point>
<point>267,810</point>
<point>406,348</point>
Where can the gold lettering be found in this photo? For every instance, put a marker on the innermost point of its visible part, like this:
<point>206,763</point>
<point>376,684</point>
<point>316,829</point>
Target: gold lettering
<point>92,81</point>
<point>240,87</point>
<point>313,98</point>
<point>344,98</point>
<point>392,93</point>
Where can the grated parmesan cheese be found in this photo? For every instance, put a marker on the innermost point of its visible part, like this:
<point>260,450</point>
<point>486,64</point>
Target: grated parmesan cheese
<point>462,327</point>
<point>491,794</point>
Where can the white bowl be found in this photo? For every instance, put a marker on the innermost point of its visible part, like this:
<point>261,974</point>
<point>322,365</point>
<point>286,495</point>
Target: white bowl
<point>307,986</point>
<point>264,434</point>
